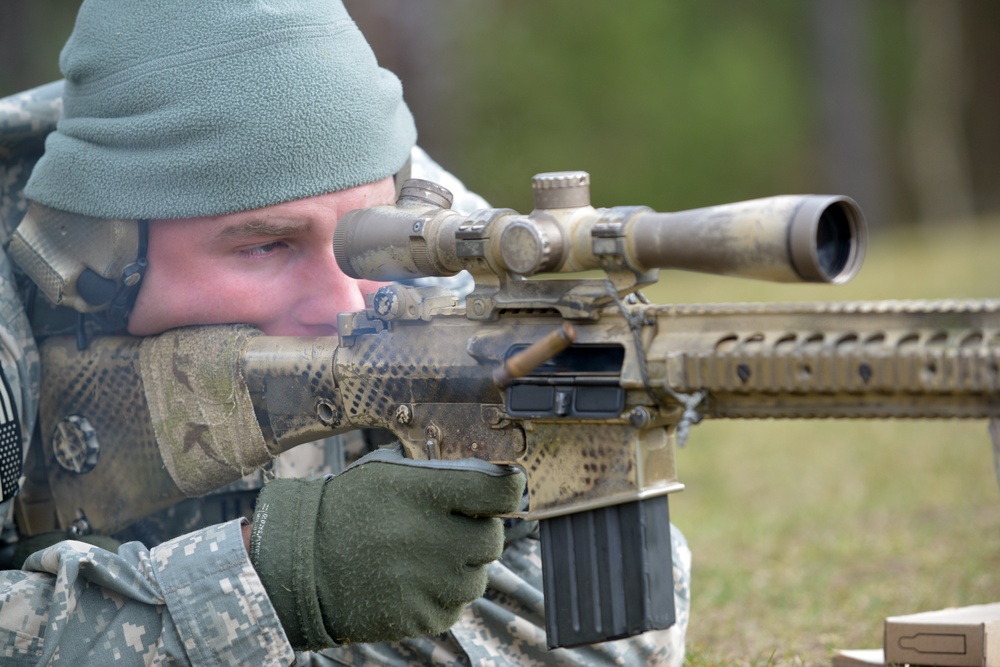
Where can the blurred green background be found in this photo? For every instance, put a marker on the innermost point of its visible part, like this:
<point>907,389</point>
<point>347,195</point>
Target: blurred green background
<point>678,103</point>
<point>805,534</point>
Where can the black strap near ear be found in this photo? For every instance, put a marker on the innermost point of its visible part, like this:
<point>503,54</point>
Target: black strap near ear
<point>116,316</point>
<point>131,280</point>
<point>94,288</point>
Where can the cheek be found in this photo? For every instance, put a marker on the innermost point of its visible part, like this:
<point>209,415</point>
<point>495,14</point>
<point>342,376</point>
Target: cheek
<point>228,299</point>
<point>197,295</point>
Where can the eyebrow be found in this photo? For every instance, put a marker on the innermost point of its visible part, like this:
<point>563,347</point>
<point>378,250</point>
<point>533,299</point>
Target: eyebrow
<point>255,228</point>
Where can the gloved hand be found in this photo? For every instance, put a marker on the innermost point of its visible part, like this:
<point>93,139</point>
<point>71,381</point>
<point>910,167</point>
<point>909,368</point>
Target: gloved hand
<point>390,548</point>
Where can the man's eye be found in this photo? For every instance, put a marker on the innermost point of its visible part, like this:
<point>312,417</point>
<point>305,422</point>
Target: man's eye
<point>265,249</point>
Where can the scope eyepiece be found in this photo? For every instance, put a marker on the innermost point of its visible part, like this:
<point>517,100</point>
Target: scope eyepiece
<point>833,241</point>
<point>828,239</point>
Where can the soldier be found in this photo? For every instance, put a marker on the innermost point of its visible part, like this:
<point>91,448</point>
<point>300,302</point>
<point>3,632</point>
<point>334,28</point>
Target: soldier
<point>235,134</point>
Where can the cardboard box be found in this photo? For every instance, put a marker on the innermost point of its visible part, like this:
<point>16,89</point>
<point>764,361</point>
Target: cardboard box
<point>960,637</point>
<point>869,657</point>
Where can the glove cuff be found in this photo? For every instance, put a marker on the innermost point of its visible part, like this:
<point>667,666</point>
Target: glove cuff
<point>282,545</point>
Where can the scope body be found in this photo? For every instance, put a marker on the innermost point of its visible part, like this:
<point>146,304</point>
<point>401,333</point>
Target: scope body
<point>788,238</point>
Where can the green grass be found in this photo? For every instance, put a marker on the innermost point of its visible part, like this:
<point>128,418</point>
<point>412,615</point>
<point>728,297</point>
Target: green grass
<point>807,534</point>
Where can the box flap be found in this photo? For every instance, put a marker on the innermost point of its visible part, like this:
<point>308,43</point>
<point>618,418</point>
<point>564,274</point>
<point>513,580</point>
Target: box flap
<point>975,614</point>
<point>859,658</point>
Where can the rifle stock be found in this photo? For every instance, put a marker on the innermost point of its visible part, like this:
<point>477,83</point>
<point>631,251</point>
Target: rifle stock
<point>594,423</point>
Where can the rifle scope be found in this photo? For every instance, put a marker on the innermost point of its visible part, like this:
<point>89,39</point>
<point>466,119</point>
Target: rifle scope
<point>788,238</point>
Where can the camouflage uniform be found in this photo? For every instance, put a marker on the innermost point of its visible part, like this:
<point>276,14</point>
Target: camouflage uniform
<point>196,599</point>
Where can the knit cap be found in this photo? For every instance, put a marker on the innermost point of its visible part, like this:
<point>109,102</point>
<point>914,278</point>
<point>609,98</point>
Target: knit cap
<point>186,108</point>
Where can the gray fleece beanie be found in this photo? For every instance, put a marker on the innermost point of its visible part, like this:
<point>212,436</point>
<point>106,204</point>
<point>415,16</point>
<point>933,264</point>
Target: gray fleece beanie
<point>185,108</point>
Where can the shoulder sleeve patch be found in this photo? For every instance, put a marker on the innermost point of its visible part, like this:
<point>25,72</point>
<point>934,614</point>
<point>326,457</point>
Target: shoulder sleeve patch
<point>11,456</point>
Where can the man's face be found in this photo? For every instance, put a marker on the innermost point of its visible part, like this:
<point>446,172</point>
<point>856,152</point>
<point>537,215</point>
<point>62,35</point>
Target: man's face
<point>271,267</point>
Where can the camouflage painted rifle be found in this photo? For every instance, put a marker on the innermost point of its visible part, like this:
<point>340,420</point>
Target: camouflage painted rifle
<point>577,380</point>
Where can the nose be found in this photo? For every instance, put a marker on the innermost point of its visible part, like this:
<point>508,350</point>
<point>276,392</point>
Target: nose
<point>327,292</point>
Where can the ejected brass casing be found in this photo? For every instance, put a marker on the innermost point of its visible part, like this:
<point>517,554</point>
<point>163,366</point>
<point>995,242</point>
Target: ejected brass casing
<point>535,355</point>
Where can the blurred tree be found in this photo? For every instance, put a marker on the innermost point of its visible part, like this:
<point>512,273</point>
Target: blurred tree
<point>936,146</point>
<point>851,146</point>
<point>980,23</point>
<point>32,33</point>
<point>417,41</point>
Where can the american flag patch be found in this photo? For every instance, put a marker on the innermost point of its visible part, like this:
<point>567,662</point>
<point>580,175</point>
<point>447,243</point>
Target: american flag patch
<point>10,441</point>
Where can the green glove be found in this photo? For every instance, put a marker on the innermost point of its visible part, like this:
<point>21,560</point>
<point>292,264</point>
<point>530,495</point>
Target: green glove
<point>390,548</point>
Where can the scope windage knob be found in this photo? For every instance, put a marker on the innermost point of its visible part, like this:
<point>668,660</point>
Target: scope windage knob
<point>525,248</point>
<point>561,189</point>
